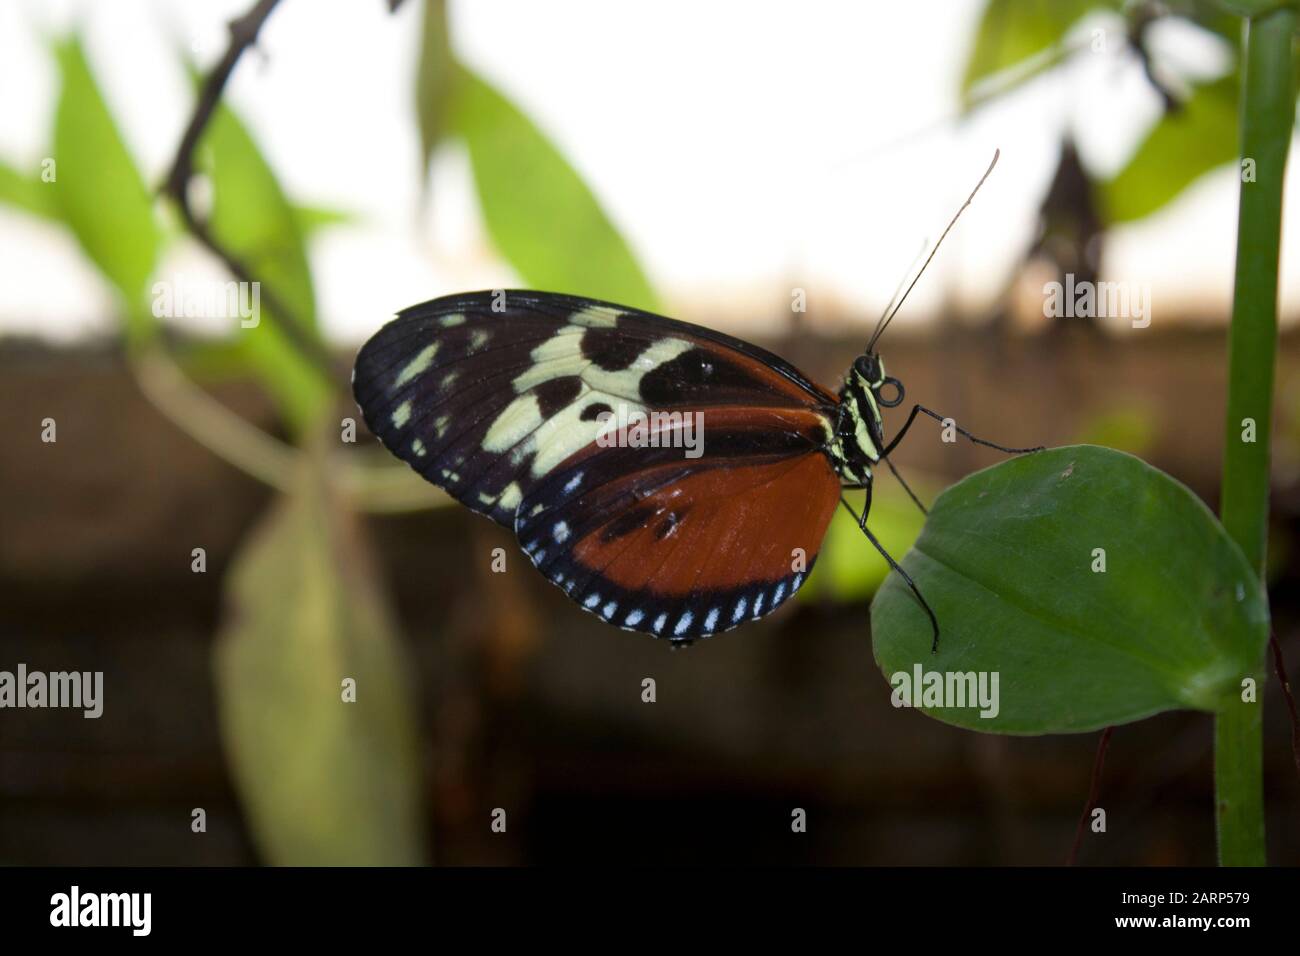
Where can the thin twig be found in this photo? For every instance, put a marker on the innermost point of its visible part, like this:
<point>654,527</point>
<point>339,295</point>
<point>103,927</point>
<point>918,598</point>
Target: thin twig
<point>210,423</point>
<point>1093,791</point>
<point>1279,665</point>
<point>243,34</point>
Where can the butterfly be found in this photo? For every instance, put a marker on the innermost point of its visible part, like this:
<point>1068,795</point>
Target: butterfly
<point>669,478</point>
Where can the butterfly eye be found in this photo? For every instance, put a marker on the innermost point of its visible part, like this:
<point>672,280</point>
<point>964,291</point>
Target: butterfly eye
<point>897,398</point>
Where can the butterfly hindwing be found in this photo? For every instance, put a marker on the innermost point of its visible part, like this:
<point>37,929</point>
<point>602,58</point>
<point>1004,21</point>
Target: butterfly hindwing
<point>685,548</point>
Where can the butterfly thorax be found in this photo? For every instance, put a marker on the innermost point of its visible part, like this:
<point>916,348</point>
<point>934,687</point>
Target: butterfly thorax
<point>855,446</point>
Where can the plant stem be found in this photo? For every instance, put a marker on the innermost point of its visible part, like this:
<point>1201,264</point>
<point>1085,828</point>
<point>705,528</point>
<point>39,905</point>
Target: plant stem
<point>1267,117</point>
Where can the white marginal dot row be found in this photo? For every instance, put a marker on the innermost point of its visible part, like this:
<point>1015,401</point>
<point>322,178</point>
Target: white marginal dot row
<point>683,625</point>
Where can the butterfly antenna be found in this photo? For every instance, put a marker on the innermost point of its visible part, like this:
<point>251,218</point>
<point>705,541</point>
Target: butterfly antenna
<point>880,330</point>
<point>925,244</point>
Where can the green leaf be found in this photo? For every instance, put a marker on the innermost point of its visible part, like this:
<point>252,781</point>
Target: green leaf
<point>312,219</point>
<point>434,75</point>
<point>99,190</point>
<point>29,193</point>
<point>322,781</point>
<point>1006,560</point>
<point>1013,31</point>
<point>1180,148</point>
<point>253,219</point>
<point>848,567</point>
<point>539,212</point>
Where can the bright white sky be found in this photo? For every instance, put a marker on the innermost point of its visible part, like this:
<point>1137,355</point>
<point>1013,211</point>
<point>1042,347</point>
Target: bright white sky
<point>743,148</point>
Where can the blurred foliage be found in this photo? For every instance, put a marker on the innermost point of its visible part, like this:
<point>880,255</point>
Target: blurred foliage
<point>252,218</point>
<point>1180,148</point>
<point>1129,427</point>
<point>1011,32</point>
<point>1007,562</point>
<point>1196,133</point>
<point>100,192</point>
<point>325,782</point>
<point>28,193</point>
<point>322,780</point>
<point>541,215</point>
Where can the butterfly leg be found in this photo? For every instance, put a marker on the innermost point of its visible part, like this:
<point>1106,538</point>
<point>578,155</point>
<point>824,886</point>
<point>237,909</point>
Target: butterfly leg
<point>862,523</point>
<point>910,493</point>
<point>940,419</point>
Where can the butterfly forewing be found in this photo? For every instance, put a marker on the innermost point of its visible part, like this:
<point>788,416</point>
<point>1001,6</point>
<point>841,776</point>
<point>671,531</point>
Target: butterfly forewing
<point>498,397</point>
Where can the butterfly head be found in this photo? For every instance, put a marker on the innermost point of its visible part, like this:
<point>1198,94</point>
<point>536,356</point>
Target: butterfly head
<point>869,369</point>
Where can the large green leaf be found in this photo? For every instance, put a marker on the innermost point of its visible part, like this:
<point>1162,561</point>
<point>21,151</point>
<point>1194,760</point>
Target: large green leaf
<point>1013,31</point>
<point>99,190</point>
<point>1180,148</point>
<point>1006,560</point>
<point>252,218</point>
<point>323,781</point>
<point>539,212</point>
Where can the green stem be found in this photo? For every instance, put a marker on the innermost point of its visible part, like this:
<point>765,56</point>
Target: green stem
<point>1267,118</point>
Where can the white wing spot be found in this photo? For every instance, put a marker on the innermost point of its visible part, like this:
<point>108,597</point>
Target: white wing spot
<point>518,420</point>
<point>780,590</point>
<point>402,415</point>
<point>683,623</point>
<point>417,365</point>
<point>560,532</point>
<point>571,485</point>
<point>608,610</point>
<point>448,321</point>
<point>511,496</point>
<point>592,600</point>
<point>660,621</point>
<point>417,446</point>
<point>712,619</point>
<point>634,617</point>
<point>758,604</point>
<point>739,612</point>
